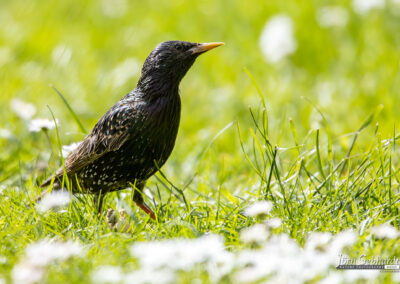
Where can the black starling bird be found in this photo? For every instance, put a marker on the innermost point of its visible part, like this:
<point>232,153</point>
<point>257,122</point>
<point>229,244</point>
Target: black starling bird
<point>137,135</point>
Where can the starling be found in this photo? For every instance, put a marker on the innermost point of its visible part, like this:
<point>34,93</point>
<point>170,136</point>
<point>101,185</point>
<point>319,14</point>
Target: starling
<point>136,136</point>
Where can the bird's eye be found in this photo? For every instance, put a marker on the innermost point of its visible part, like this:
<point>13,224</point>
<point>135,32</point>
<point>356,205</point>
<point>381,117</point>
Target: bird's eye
<point>179,47</point>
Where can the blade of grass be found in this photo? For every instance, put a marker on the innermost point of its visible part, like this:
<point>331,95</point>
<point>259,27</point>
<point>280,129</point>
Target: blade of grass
<point>80,125</point>
<point>65,177</point>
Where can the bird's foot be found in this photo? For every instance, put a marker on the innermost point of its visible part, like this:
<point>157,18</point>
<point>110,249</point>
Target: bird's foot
<point>146,209</point>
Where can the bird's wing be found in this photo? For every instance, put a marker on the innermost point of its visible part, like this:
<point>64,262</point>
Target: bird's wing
<point>109,134</point>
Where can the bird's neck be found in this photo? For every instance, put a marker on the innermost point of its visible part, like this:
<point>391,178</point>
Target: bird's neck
<point>153,86</point>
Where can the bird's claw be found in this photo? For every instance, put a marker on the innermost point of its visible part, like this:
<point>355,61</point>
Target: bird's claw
<point>146,209</point>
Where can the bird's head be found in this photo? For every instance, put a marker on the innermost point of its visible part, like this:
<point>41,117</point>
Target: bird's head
<point>170,60</point>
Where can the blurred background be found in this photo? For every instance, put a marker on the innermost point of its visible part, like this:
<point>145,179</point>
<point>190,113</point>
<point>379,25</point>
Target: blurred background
<point>342,56</point>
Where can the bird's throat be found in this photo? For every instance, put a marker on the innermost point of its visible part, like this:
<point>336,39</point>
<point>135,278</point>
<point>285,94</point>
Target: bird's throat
<point>153,87</point>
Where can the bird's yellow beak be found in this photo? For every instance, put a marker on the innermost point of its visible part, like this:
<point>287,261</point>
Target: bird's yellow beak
<point>203,47</point>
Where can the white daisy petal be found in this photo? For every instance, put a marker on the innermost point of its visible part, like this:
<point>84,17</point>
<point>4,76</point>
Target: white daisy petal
<point>39,124</point>
<point>258,208</point>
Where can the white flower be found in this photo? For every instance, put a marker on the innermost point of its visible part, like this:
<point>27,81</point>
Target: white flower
<point>332,278</point>
<point>159,260</point>
<point>277,40</point>
<point>23,109</point>
<point>364,6</point>
<point>254,271</point>
<point>178,254</point>
<point>279,255</point>
<point>317,240</point>
<point>278,259</point>
<point>220,265</point>
<point>332,16</point>
<point>274,223</point>
<point>44,252</point>
<point>341,240</point>
<point>149,276</point>
<point>385,231</point>
<point>255,234</point>
<point>39,124</point>
<point>351,276</point>
<point>26,273</point>
<point>107,274</point>
<point>282,260</point>
<point>39,255</point>
<point>61,55</point>
<point>396,276</point>
<point>67,149</point>
<point>53,200</point>
<point>258,208</point>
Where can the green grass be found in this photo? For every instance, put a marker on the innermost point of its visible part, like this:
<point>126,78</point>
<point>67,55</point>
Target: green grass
<point>315,134</point>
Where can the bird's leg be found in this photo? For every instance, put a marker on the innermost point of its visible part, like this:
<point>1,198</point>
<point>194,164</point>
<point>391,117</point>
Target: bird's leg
<point>98,202</point>
<point>138,198</point>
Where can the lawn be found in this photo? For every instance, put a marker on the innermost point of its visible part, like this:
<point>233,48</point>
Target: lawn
<point>286,162</point>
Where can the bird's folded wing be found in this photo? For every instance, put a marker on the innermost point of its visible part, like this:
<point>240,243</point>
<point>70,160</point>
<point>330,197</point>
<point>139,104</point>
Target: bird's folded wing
<point>109,134</point>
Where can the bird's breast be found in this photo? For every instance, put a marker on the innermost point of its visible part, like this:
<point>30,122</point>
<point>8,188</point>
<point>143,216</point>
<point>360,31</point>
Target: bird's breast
<point>163,125</point>
<point>156,139</point>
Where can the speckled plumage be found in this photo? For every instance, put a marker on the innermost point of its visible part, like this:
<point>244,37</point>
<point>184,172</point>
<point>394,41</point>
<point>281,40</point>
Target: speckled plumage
<point>137,135</point>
